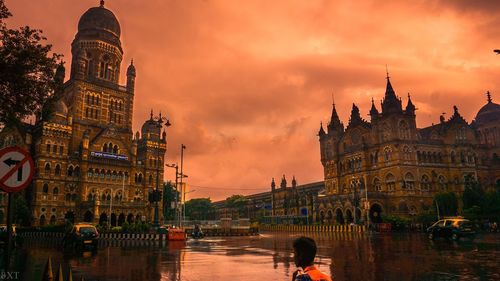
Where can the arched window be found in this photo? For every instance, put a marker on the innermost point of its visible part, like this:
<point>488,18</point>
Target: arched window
<point>139,179</point>
<point>45,188</point>
<point>443,185</point>
<point>110,147</point>
<point>54,148</point>
<point>390,182</point>
<point>406,153</point>
<point>409,182</point>
<point>61,149</point>
<point>376,185</point>
<point>115,149</point>
<point>103,173</point>
<point>47,168</point>
<point>48,148</point>
<point>58,170</point>
<point>404,130</point>
<point>425,184</point>
<point>387,154</point>
<point>97,100</point>
<point>105,147</point>
<point>55,191</point>
<point>150,179</point>
<point>76,172</point>
<point>108,175</point>
<point>70,171</point>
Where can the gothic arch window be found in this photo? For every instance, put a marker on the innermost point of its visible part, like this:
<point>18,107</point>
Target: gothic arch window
<point>461,134</point>
<point>57,171</point>
<point>150,179</point>
<point>425,184</point>
<point>376,185</point>
<point>47,168</point>
<point>390,182</point>
<point>76,172</point>
<point>453,157</point>
<point>139,179</point>
<point>387,154</point>
<point>48,147</point>
<point>404,130</point>
<point>45,188</point>
<point>406,153</point>
<point>409,182</point>
<point>442,183</point>
<point>70,171</point>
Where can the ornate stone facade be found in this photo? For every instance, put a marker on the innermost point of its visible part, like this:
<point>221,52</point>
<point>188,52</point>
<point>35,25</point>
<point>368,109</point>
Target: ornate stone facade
<point>89,164</point>
<point>390,166</point>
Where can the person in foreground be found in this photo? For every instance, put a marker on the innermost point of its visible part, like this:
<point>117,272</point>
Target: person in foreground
<point>304,250</point>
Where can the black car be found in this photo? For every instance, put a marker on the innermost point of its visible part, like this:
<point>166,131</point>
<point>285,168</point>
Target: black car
<point>81,236</point>
<point>453,228</point>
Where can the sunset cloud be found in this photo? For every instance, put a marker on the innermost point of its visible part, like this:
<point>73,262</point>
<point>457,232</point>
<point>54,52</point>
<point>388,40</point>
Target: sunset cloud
<point>247,83</point>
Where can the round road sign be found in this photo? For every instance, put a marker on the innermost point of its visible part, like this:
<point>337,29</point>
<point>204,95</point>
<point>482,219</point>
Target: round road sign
<point>16,169</point>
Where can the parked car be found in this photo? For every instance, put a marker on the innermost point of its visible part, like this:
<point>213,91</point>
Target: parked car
<point>80,236</point>
<point>453,228</point>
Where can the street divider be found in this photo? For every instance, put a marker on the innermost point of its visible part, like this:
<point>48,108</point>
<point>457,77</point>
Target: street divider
<point>315,228</point>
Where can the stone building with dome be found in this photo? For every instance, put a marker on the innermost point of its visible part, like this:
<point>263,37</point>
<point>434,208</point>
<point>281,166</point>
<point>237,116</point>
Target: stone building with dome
<point>389,166</point>
<point>89,165</point>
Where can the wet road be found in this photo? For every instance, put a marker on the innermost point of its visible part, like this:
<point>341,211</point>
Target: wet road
<point>269,257</point>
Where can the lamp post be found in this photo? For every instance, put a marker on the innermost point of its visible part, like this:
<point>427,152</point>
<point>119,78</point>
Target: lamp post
<point>182,187</point>
<point>155,196</point>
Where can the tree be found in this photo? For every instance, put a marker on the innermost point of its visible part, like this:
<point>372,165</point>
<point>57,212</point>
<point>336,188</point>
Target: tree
<point>27,72</point>
<point>199,208</point>
<point>169,199</point>
<point>447,202</point>
<point>21,214</point>
<point>237,203</point>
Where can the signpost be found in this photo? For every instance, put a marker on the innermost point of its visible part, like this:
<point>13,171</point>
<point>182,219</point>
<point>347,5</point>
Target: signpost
<point>16,172</point>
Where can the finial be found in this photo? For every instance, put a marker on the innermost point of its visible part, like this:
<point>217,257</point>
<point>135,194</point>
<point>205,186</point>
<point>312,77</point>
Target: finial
<point>409,97</point>
<point>488,94</point>
<point>102,3</point>
<point>373,101</point>
<point>387,72</point>
<point>160,115</point>
<point>132,61</point>
<point>333,99</point>
<point>151,114</point>
<point>455,109</point>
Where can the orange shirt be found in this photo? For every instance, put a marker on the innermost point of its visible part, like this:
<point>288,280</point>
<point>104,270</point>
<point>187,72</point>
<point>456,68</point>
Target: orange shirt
<point>316,275</point>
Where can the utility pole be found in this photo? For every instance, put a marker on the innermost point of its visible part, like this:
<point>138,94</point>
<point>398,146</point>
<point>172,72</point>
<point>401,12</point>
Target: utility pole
<point>181,186</point>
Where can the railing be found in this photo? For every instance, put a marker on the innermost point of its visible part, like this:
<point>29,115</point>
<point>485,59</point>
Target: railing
<point>315,228</point>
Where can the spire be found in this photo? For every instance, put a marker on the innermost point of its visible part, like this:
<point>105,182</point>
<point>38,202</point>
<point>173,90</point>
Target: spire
<point>391,103</point>
<point>151,115</point>
<point>335,123</point>
<point>131,68</point>
<point>102,4</point>
<point>410,108</point>
<point>321,131</point>
<point>355,116</point>
<point>488,95</point>
<point>294,182</point>
<point>273,184</point>
<point>283,182</point>
<point>373,110</point>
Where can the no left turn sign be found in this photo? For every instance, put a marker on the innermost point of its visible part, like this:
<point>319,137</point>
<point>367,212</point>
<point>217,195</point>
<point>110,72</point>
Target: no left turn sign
<point>16,169</point>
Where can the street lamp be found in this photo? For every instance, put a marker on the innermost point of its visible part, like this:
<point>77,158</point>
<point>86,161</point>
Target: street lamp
<point>182,188</point>
<point>155,196</point>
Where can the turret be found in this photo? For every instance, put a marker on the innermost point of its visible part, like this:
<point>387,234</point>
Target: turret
<point>335,125</point>
<point>294,182</point>
<point>283,182</point>
<point>131,74</point>
<point>410,108</point>
<point>273,185</point>
<point>373,111</point>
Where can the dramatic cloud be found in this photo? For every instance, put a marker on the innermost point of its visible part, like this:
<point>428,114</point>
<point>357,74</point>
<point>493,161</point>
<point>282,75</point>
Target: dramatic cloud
<point>246,83</point>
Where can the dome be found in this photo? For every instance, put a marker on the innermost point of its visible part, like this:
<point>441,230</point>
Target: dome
<point>60,108</point>
<point>488,113</point>
<point>150,130</point>
<point>99,21</point>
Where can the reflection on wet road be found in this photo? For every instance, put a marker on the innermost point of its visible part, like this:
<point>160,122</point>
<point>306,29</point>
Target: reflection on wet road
<point>269,257</point>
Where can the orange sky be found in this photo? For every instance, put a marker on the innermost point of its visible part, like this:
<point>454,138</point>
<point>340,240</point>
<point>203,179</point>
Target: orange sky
<point>246,83</point>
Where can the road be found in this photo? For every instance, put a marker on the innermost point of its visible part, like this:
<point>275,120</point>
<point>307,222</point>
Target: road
<point>269,257</point>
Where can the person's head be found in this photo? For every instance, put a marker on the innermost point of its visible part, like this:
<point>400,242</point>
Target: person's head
<point>304,249</point>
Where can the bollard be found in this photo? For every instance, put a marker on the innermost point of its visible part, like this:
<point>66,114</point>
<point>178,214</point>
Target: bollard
<point>60,274</point>
<point>47,273</point>
<point>70,275</point>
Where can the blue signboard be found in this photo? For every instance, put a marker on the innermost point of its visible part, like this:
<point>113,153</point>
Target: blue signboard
<point>108,155</point>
